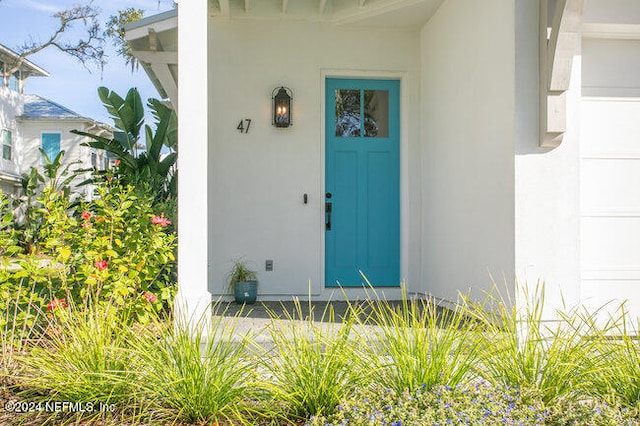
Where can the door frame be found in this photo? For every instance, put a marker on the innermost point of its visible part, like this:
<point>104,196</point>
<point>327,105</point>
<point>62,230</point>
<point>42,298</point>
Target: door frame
<point>402,76</point>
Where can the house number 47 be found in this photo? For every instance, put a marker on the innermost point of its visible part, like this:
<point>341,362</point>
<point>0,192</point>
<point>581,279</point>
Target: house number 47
<point>244,125</point>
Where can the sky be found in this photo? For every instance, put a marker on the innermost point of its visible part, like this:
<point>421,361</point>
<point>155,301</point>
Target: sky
<point>70,84</point>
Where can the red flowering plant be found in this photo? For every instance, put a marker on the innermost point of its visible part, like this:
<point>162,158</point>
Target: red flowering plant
<point>113,249</point>
<point>160,220</point>
<point>150,297</point>
<point>101,265</point>
<point>56,304</point>
<point>126,253</point>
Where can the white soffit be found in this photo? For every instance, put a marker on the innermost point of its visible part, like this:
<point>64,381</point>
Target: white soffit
<point>404,14</point>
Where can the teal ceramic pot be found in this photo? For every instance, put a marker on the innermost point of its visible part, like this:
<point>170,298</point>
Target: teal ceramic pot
<point>245,291</point>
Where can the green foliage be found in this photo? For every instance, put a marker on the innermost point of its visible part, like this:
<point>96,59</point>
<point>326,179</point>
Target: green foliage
<point>115,31</point>
<point>240,272</point>
<point>198,375</point>
<point>322,371</point>
<point>28,208</point>
<point>617,377</point>
<point>313,365</point>
<point>17,325</point>
<point>521,350</point>
<point>85,358</point>
<point>139,167</point>
<point>116,247</point>
<point>8,237</point>
<point>27,223</point>
<point>419,344</point>
<point>56,176</point>
<point>470,403</point>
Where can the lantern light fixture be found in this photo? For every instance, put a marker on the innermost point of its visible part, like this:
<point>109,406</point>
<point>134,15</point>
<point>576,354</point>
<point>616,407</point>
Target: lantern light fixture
<point>281,106</point>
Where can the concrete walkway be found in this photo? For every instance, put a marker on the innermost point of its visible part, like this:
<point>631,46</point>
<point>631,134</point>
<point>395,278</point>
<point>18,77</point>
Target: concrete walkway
<point>256,319</point>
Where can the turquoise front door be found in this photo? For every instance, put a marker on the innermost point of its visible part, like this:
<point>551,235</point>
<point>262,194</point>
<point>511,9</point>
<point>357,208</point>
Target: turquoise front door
<point>362,182</point>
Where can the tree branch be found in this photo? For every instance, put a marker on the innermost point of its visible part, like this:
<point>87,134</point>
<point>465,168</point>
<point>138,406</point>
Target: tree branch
<point>87,48</point>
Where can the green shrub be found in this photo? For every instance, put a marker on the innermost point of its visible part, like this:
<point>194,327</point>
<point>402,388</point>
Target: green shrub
<point>8,238</point>
<point>115,248</point>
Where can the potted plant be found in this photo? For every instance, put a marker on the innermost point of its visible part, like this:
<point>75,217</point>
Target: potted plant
<point>243,282</point>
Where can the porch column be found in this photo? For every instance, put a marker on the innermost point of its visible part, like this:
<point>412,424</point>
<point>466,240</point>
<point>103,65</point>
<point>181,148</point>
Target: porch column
<point>193,299</point>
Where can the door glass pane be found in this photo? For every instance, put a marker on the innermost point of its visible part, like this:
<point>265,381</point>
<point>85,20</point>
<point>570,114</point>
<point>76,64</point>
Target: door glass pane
<point>348,121</point>
<point>376,113</point>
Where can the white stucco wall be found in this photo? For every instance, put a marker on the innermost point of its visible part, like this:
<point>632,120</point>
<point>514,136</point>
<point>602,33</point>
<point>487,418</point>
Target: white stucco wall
<point>547,181</point>
<point>257,180</point>
<point>467,147</point>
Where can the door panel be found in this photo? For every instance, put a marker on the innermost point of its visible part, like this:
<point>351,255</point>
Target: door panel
<point>363,182</point>
<point>345,207</point>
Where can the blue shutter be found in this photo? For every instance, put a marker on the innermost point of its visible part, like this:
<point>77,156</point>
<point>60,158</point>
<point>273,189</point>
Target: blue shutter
<point>51,145</point>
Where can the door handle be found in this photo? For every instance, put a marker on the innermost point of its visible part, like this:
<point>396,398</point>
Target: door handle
<point>328,207</point>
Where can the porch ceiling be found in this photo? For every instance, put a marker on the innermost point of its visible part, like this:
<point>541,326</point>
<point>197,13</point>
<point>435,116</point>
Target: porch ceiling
<point>153,40</point>
<point>406,14</point>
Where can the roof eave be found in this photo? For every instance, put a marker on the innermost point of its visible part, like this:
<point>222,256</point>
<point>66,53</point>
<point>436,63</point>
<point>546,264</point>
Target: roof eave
<point>33,69</point>
<point>70,119</point>
<point>138,29</point>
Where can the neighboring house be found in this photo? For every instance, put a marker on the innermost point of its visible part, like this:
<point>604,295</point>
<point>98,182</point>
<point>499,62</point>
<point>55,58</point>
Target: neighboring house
<point>30,122</point>
<point>433,142</point>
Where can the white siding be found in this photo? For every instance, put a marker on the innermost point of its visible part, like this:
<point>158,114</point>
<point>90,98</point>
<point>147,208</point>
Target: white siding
<point>30,156</point>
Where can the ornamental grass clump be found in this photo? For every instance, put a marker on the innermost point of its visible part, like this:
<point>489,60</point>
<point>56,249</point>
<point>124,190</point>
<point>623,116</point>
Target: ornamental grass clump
<point>617,378</point>
<point>418,344</point>
<point>17,326</point>
<point>198,372</point>
<point>81,357</point>
<point>519,349</point>
<point>314,364</point>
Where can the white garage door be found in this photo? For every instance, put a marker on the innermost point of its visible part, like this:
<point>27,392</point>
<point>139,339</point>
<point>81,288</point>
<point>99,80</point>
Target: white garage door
<point>610,174</point>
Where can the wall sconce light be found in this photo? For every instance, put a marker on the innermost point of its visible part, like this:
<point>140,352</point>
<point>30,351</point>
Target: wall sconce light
<point>281,106</point>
